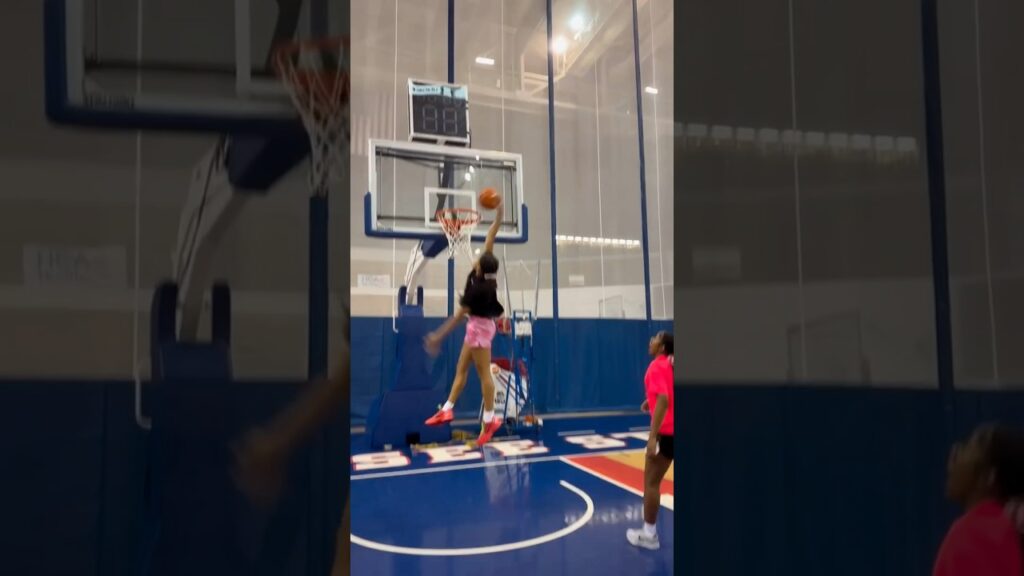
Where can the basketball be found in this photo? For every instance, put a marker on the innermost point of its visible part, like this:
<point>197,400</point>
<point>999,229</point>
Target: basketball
<point>489,198</point>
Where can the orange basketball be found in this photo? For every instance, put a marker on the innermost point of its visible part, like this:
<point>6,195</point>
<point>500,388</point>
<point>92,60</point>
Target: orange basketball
<point>489,198</point>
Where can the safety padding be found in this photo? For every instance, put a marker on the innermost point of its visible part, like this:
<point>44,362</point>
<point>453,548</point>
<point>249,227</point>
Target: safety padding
<point>174,360</point>
<point>397,416</point>
<point>397,419</point>
<point>191,400</point>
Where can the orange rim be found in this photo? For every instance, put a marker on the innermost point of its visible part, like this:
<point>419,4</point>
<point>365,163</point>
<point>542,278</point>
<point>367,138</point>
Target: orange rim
<point>317,45</point>
<point>307,78</point>
<point>457,217</point>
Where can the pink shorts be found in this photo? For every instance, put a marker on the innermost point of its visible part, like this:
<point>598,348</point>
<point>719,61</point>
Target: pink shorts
<point>480,332</point>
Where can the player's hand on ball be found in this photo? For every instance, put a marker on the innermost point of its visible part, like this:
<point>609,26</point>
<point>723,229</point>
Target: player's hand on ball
<point>652,447</point>
<point>645,407</point>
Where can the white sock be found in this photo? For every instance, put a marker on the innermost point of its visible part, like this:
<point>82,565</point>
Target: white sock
<point>488,416</point>
<point>650,529</point>
<point>448,405</point>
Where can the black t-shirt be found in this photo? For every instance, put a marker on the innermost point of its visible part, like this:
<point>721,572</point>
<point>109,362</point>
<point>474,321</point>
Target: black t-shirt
<point>481,297</point>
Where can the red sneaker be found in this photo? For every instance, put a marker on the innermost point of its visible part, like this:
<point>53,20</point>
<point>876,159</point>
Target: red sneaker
<point>442,417</point>
<point>488,431</point>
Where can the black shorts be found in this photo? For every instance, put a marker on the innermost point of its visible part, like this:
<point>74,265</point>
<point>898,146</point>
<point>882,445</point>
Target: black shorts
<point>666,446</point>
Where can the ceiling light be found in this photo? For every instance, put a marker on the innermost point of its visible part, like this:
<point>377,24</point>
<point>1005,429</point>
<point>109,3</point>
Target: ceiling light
<point>559,45</point>
<point>577,23</point>
<point>485,61</point>
<point>651,90</point>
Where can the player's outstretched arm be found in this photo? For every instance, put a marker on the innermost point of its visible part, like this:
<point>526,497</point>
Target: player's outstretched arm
<point>260,459</point>
<point>434,339</point>
<point>492,232</point>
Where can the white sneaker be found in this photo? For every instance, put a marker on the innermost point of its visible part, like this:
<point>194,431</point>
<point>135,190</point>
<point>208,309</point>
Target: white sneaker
<point>637,537</point>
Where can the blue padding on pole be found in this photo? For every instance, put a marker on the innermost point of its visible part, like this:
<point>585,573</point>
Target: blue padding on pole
<point>256,162</point>
<point>398,413</point>
<point>434,247</point>
<point>936,164</point>
<point>643,164</point>
<point>552,175</point>
<point>411,358</point>
<point>414,310</point>
<point>221,313</point>
<point>319,289</point>
<point>175,360</point>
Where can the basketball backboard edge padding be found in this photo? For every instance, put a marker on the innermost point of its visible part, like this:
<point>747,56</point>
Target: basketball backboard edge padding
<point>368,218</point>
<point>61,110</point>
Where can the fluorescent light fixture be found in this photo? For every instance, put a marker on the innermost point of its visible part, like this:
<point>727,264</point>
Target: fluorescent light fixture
<point>485,61</point>
<point>559,45</point>
<point>577,23</point>
<point>651,90</point>
<point>597,242</point>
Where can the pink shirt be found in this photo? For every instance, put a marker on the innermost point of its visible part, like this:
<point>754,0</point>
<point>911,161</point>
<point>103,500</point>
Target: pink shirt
<point>657,381</point>
<point>983,542</point>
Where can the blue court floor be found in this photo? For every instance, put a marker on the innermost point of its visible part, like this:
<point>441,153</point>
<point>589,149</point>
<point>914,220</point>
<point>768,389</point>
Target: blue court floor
<point>557,503</point>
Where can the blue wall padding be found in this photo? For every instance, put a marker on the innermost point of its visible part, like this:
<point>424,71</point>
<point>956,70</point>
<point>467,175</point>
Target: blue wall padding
<point>52,452</point>
<point>600,364</point>
<point>803,481</point>
<point>192,519</point>
<point>195,361</point>
<point>256,161</point>
<point>220,312</point>
<point>372,342</point>
<point>193,425</point>
<point>813,480</point>
<point>401,413</point>
<point>74,503</point>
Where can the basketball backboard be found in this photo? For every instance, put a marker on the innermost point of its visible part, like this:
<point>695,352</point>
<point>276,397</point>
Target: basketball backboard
<point>176,64</point>
<point>411,181</point>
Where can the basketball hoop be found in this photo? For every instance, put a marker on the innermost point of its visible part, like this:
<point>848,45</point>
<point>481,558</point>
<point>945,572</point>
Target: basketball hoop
<point>315,73</point>
<point>458,225</point>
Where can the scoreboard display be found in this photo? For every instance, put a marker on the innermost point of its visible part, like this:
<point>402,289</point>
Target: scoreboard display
<point>438,112</point>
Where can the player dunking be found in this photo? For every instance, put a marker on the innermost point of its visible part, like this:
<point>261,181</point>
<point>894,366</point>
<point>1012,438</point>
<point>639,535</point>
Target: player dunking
<point>660,445</point>
<point>480,302</point>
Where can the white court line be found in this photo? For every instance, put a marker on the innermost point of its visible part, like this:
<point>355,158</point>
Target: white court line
<point>506,462</point>
<point>667,500</point>
<point>489,549</point>
<point>575,432</point>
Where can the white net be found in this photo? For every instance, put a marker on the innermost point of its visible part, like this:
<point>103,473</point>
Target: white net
<point>458,225</point>
<point>315,74</point>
